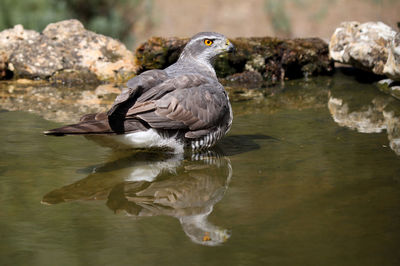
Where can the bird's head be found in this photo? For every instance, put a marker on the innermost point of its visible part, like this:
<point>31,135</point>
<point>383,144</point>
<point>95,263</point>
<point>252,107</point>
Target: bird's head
<point>205,46</point>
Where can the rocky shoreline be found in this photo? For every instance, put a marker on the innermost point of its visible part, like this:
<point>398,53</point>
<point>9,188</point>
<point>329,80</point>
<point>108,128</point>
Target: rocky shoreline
<point>67,67</point>
<point>65,52</point>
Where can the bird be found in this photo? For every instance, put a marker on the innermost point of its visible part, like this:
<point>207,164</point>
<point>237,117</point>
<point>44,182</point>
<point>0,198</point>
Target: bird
<point>183,106</point>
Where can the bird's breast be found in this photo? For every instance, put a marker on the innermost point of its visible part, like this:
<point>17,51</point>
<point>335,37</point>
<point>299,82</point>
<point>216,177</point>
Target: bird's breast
<point>150,138</point>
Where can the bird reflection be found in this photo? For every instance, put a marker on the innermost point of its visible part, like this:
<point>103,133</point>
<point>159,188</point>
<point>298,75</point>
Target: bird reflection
<point>189,194</point>
<point>151,183</point>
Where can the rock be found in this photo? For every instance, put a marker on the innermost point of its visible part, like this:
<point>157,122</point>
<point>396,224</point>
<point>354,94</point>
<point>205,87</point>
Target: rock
<point>158,53</point>
<point>244,86</point>
<point>395,92</point>
<point>249,79</point>
<point>274,59</point>
<point>65,52</point>
<point>239,94</point>
<point>66,48</point>
<point>73,77</point>
<point>392,66</point>
<point>371,46</point>
<point>3,65</point>
<point>10,39</point>
<point>390,87</point>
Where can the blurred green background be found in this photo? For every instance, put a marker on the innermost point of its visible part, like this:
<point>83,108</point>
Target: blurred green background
<point>134,21</point>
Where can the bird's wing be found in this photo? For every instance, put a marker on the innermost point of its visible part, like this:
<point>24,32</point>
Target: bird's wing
<point>135,87</point>
<point>188,102</point>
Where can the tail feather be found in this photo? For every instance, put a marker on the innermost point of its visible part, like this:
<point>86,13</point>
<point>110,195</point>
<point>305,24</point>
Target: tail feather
<point>82,128</point>
<point>97,124</point>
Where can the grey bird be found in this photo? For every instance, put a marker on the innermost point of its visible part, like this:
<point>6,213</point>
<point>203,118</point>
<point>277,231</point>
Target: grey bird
<point>183,105</point>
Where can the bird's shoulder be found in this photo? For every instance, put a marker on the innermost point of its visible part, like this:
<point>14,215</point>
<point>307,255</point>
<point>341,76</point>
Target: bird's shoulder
<point>175,85</point>
<point>148,78</point>
<point>154,84</point>
<point>135,87</point>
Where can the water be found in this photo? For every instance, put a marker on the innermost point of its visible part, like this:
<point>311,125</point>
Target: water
<point>296,182</point>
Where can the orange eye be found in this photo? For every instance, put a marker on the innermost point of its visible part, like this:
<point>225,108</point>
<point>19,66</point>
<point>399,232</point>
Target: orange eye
<point>208,42</point>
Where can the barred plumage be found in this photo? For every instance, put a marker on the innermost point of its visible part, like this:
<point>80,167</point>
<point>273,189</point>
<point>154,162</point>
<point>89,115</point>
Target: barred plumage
<point>208,140</point>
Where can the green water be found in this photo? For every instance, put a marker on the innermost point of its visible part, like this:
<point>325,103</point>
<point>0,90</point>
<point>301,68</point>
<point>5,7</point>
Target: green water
<point>287,186</point>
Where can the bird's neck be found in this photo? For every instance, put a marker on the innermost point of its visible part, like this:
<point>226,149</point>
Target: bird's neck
<point>198,63</point>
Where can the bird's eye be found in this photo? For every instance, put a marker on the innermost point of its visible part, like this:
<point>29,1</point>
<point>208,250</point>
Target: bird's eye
<point>208,42</point>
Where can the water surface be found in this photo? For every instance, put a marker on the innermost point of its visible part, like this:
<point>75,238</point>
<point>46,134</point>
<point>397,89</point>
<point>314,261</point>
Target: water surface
<point>309,176</point>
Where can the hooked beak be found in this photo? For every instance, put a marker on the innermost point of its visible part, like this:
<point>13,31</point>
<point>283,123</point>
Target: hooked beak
<point>229,47</point>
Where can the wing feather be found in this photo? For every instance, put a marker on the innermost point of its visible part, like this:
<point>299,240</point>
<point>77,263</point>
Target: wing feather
<point>189,102</point>
<point>195,109</point>
<point>135,88</point>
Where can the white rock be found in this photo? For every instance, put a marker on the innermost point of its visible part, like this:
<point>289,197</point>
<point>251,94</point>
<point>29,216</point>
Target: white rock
<point>372,46</point>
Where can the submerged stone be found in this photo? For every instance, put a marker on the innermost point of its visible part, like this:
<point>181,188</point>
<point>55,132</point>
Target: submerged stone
<point>249,79</point>
<point>61,103</point>
<point>390,87</point>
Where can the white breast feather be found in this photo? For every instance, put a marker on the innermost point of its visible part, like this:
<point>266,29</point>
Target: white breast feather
<point>148,139</point>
